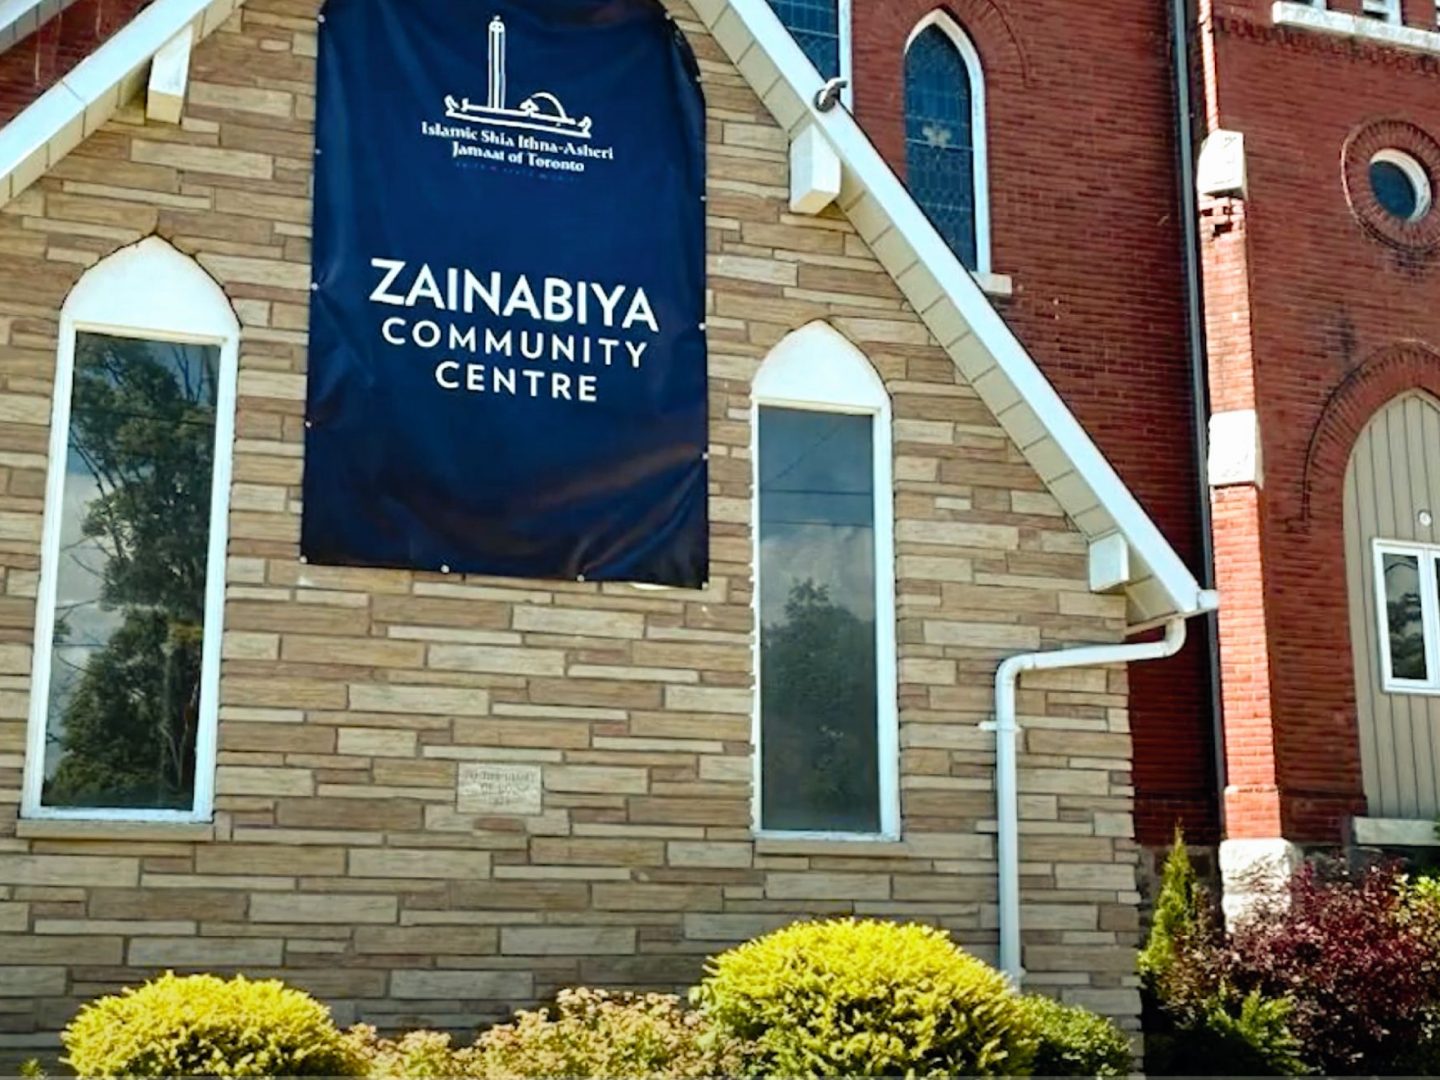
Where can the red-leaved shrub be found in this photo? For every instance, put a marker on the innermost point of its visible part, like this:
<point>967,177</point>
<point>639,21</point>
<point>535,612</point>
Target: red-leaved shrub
<point>1355,958</point>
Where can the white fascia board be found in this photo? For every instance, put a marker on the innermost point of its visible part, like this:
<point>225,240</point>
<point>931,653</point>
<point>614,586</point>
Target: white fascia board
<point>745,27</point>
<point>53,125</point>
<point>21,18</point>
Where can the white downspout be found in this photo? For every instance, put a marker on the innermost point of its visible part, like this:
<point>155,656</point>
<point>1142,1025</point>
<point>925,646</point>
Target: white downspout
<point>1007,795</point>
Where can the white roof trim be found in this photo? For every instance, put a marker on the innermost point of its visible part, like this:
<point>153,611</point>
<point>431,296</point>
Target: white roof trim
<point>957,312</point>
<point>53,125</point>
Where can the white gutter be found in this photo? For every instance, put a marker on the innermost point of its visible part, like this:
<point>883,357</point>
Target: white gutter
<point>1007,793</point>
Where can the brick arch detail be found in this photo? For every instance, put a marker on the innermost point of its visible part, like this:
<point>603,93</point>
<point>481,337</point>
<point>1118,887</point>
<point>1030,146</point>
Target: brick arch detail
<point>1384,376</point>
<point>879,33</point>
<point>988,27</point>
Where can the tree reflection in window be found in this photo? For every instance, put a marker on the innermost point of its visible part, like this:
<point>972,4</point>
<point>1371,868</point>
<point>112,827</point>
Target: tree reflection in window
<point>125,686</point>
<point>1405,616</point>
<point>818,680</point>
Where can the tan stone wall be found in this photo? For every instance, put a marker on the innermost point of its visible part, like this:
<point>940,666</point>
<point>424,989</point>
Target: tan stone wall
<point>352,700</point>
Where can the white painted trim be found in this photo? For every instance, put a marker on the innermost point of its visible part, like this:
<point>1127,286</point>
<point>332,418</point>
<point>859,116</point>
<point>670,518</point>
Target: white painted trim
<point>817,368</point>
<point>1362,27</point>
<point>149,291</point>
<point>169,75</point>
<point>815,173</point>
<point>845,14</point>
<point>21,18</point>
<point>1415,173</point>
<point>979,153</point>
<point>962,318</point>
<point>1394,832</point>
<point>1386,10</point>
<point>1427,558</point>
<point>1109,563</point>
<point>77,105</point>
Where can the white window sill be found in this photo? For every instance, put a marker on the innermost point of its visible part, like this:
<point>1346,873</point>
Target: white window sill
<point>999,285</point>
<point>93,829</point>
<point>1394,832</point>
<point>1361,27</point>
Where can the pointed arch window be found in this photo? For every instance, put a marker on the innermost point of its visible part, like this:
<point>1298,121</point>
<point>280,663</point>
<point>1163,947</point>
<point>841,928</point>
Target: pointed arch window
<point>822,30</point>
<point>945,136</point>
<point>126,671</point>
<point>826,724</point>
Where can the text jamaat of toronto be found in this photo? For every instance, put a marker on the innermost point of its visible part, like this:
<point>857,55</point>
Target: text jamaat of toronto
<point>560,356</point>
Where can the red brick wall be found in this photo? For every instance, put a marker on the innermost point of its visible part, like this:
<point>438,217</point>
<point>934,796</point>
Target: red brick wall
<point>35,64</point>
<point>1083,217</point>
<point>1333,312</point>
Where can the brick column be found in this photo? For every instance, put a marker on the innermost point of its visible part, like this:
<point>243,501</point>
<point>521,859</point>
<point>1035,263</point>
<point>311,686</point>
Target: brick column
<point>1254,847</point>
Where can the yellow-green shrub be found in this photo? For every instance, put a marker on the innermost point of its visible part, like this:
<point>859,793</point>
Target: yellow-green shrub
<point>848,998</point>
<point>200,1025</point>
<point>594,1033</point>
<point>416,1055</point>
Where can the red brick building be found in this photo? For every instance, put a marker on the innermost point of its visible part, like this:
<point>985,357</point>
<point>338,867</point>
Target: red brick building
<point>1320,237</point>
<point>1314,248</point>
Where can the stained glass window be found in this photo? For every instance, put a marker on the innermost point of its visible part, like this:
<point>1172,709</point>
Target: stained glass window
<point>940,139</point>
<point>815,25</point>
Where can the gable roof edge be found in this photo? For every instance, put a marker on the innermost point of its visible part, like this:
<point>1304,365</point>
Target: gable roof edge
<point>957,311</point>
<point>79,103</point>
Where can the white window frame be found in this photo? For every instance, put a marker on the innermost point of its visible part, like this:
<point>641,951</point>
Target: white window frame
<point>1428,556</point>
<point>817,369</point>
<point>844,13</point>
<point>152,292</point>
<point>1385,10</point>
<point>978,151</point>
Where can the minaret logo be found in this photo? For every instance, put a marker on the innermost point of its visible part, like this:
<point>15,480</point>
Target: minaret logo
<point>541,111</point>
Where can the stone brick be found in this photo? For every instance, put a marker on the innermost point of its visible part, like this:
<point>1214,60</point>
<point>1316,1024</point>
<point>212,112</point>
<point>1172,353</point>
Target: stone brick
<point>822,886</point>
<point>420,863</point>
<point>566,940</point>
<point>418,700</point>
<point>334,908</point>
<point>503,986</point>
<point>71,870</point>
<point>575,622</point>
<point>205,952</point>
<point>30,982</point>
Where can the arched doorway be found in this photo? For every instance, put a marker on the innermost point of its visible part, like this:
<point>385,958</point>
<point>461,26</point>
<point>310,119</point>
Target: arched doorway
<point>1392,559</point>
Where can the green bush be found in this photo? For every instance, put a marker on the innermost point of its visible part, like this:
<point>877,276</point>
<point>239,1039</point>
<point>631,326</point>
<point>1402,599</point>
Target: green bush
<point>200,1025</point>
<point>1175,915</point>
<point>848,998</point>
<point>1076,1042</point>
<point>1230,1036</point>
<point>593,1033</point>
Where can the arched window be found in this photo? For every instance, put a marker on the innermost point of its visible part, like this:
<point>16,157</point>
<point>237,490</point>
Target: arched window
<point>945,136</point>
<point>126,673</point>
<point>826,728</point>
<point>822,30</point>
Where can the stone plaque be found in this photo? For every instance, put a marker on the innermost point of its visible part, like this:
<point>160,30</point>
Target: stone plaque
<point>499,789</point>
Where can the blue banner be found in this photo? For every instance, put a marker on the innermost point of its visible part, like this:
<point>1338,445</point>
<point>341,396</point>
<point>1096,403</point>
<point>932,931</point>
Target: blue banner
<point>507,342</point>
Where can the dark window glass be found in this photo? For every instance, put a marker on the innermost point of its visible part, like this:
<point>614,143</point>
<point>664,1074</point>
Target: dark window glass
<point>1394,190</point>
<point>124,694</point>
<point>818,697</point>
<point>815,25</point>
<point>1404,616</point>
<point>940,140</point>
